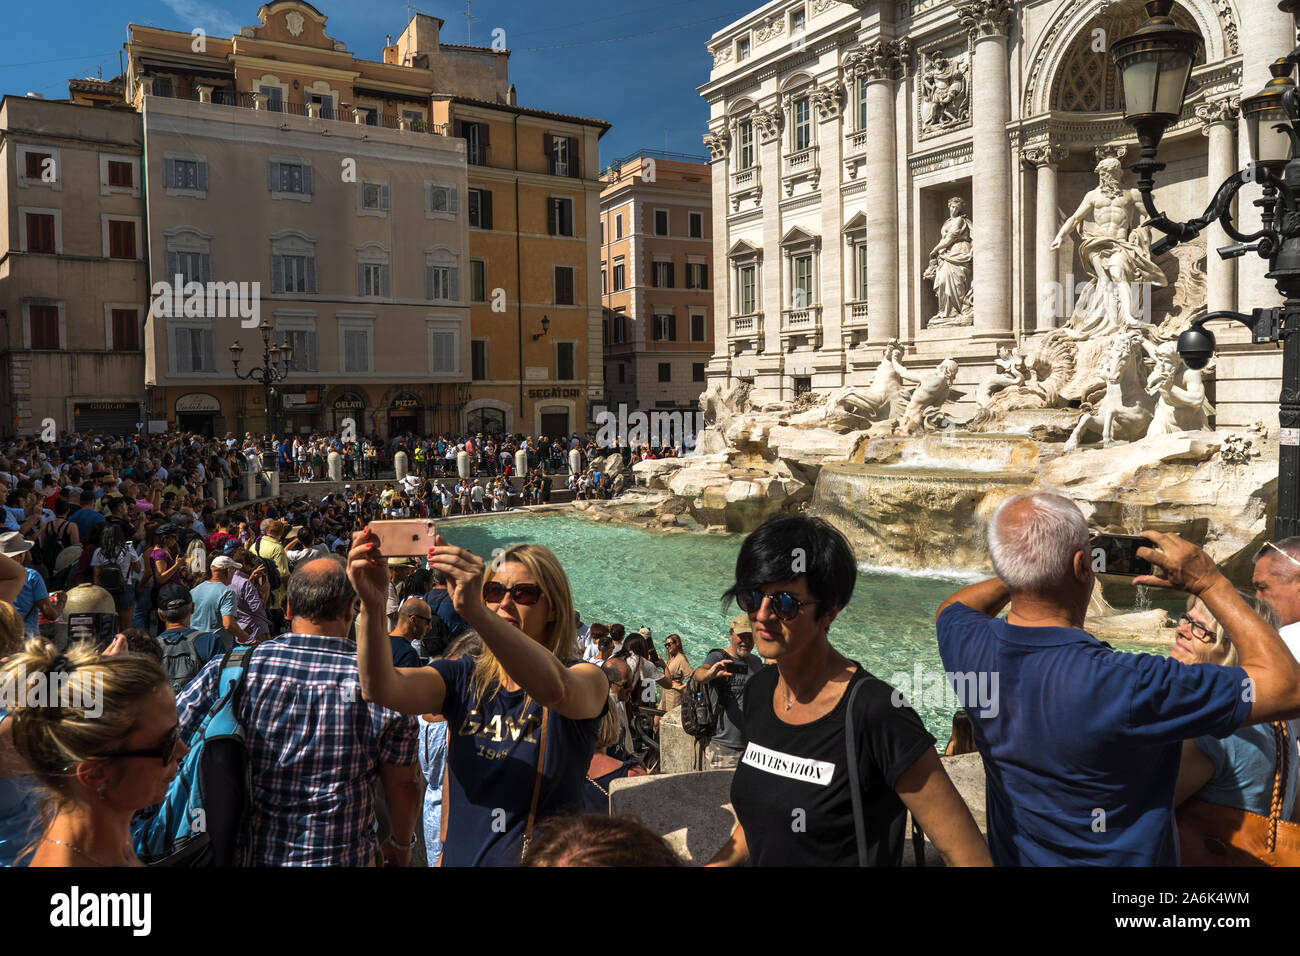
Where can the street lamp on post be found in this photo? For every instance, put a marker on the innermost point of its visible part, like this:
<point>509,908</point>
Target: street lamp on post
<point>276,361</point>
<point>1155,66</point>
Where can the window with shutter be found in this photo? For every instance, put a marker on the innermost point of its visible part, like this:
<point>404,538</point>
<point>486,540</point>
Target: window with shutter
<point>478,360</point>
<point>44,326</point>
<point>36,164</point>
<point>126,330</point>
<point>478,280</point>
<point>665,371</point>
<point>442,351</point>
<point>121,239</point>
<point>356,350</point>
<point>40,232</point>
<point>697,225</point>
<point>661,222</point>
<point>564,361</point>
<point>574,170</point>
<point>672,328</point>
<point>564,285</point>
<point>697,328</point>
<point>697,371</point>
<point>618,226</point>
<point>120,174</point>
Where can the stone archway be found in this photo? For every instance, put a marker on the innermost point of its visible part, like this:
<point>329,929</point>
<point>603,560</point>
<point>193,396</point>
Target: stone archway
<point>1215,20</point>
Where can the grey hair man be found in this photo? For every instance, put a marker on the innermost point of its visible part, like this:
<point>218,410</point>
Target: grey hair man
<point>1082,745</point>
<point>1276,581</point>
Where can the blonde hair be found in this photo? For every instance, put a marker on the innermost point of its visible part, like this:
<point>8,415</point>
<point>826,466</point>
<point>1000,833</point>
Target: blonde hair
<point>562,638</point>
<point>12,629</point>
<point>96,708</point>
<point>1232,657</point>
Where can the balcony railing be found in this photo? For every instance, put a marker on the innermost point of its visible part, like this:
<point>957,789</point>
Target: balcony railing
<point>746,326</point>
<point>855,314</point>
<point>858,141</point>
<point>243,99</point>
<point>804,161</point>
<point>801,320</point>
<point>744,178</point>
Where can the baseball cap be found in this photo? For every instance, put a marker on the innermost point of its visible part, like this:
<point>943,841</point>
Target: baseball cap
<point>644,632</point>
<point>173,597</point>
<point>740,624</point>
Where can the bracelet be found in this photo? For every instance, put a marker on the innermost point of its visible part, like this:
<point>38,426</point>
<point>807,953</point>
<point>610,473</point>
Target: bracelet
<point>404,846</point>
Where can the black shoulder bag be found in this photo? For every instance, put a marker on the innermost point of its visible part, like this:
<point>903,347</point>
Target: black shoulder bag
<point>855,792</point>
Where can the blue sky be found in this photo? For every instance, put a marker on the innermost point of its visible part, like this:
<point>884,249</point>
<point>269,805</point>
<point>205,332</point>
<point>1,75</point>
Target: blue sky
<point>644,85</point>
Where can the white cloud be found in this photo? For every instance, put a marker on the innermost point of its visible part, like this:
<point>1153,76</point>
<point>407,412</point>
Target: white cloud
<point>199,13</point>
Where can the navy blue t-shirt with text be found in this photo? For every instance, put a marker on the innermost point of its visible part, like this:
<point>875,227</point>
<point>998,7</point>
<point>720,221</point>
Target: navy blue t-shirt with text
<point>492,755</point>
<point>1081,744</point>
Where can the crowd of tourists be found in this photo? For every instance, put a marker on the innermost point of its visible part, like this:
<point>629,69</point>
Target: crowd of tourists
<point>442,710</point>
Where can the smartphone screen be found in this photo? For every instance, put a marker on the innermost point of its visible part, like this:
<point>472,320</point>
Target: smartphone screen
<point>404,537</point>
<point>1117,554</point>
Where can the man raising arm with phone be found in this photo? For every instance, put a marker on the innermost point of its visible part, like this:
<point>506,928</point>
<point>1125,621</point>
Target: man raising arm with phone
<point>727,671</point>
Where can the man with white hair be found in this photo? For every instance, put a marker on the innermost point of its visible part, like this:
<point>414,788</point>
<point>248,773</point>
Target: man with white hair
<point>1081,745</point>
<point>1277,583</point>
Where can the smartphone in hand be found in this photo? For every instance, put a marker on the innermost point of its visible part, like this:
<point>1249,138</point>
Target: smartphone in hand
<point>404,537</point>
<point>1117,554</point>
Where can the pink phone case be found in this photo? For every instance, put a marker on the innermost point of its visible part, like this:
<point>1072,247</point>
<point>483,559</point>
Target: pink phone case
<point>404,537</point>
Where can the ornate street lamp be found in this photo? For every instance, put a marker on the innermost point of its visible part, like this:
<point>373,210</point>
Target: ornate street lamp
<point>1155,66</point>
<point>276,361</point>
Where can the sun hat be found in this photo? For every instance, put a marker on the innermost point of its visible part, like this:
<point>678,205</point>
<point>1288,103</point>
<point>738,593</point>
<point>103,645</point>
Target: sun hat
<point>740,624</point>
<point>12,543</point>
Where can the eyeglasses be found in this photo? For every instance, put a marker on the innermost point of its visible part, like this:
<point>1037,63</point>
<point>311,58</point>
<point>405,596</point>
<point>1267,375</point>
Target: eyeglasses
<point>1205,635</point>
<point>523,594</point>
<point>165,752</point>
<point>421,617</point>
<point>785,605</point>
<point>1270,544</point>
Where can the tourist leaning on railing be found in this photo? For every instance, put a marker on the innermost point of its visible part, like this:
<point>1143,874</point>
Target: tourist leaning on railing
<point>1084,743</point>
<point>793,577</point>
<point>525,714</point>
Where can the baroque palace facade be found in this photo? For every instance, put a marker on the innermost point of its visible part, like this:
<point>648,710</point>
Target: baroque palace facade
<point>901,170</point>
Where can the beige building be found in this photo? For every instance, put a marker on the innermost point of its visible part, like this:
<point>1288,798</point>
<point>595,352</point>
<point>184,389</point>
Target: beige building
<point>73,288</point>
<point>416,298</point>
<point>656,280</point>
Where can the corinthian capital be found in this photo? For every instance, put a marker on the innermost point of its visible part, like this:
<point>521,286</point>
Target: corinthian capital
<point>880,59</point>
<point>985,18</point>
<point>718,143</point>
<point>1223,110</point>
<point>770,121</point>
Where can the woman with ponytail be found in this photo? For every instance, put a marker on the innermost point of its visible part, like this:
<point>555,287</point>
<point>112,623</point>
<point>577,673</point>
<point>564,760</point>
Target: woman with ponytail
<point>99,735</point>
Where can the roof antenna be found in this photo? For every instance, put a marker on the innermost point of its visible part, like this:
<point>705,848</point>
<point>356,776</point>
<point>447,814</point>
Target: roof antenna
<point>468,21</point>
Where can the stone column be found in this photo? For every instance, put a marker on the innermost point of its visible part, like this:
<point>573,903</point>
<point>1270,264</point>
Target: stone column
<point>879,60</point>
<point>986,26</point>
<point>1267,33</point>
<point>1047,297</point>
<point>769,126</point>
<point>828,103</point>
<point>1220,119</point>
<point>718,142</point>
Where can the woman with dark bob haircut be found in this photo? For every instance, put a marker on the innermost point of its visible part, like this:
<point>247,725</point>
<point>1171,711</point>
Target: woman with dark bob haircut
<point>797,800</point>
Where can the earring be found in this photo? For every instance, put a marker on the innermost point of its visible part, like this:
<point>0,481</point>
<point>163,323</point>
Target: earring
<point>100,790</point>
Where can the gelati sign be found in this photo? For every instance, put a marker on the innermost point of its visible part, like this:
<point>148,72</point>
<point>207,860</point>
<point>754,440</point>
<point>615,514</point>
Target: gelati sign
<point>554,392</point>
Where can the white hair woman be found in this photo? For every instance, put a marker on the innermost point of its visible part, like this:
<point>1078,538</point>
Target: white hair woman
<point>1233,773</point>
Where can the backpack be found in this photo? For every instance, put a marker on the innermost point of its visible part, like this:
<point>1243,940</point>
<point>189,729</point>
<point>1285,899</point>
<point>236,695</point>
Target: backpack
<point>180,657</point>
<point>272,572</point>
<point>209,802</point>
<point>110,577</point>
<point>48,548</point>
<point>700,706</point>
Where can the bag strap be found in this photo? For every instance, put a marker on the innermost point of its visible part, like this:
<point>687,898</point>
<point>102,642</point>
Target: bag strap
<point>537,782</point>
<point>855,786</point>
<point>1282,741</point>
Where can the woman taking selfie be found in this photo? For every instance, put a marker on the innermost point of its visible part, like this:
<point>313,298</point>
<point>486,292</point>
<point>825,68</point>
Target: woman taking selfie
<point>522,717</point>
<point>797,718</point>
<point>111,752</point>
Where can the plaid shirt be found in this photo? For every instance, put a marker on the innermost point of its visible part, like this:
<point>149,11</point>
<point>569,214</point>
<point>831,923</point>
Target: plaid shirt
<point>315,747</point>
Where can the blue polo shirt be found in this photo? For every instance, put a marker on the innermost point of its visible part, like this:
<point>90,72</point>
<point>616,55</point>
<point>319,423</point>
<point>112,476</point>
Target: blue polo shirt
<point>1081,744</point>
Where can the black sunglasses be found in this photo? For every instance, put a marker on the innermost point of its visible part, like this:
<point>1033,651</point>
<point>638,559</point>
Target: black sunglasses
<point>525,595</point>
<point>165,752</point>
<point>784,604</point>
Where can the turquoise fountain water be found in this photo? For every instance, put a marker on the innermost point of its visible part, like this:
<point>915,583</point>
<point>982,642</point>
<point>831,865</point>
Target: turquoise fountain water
<point>673,583</point>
